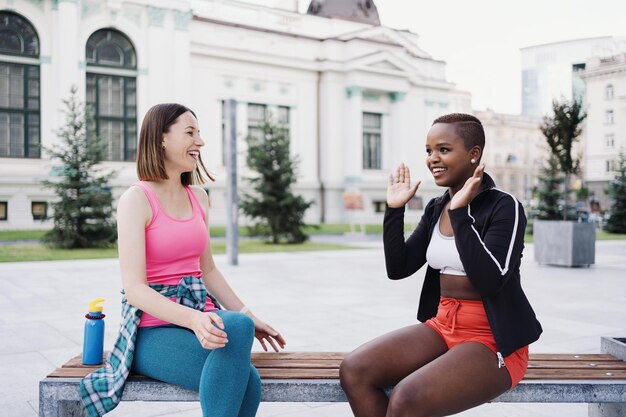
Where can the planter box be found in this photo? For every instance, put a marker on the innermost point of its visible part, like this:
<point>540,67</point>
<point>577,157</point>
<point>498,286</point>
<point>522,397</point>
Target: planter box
<point>615,346</point>
<point>564,243</point>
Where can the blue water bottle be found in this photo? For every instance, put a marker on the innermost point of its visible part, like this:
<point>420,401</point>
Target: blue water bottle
<point>93,341</point>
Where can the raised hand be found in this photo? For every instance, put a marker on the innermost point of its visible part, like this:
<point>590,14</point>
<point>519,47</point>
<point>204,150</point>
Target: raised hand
<point>470,189</point>
<point>399,190</point>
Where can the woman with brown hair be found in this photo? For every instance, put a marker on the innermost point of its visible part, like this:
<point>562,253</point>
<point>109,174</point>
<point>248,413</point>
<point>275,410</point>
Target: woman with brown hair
<point>174,329</point>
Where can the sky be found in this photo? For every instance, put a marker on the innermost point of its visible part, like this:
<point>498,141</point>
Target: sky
<point>480,40</point>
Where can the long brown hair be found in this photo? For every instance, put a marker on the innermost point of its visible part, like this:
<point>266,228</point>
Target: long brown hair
<point>150,154</point>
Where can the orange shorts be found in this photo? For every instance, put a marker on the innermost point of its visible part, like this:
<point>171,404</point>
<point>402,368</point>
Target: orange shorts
<point>461,321</point>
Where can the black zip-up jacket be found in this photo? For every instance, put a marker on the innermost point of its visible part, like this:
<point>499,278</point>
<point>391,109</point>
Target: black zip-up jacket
<point>489,236</point>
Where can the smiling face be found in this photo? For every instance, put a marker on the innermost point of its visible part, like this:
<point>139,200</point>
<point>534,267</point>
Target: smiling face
<point>448,158</point>
<point>182,144</point>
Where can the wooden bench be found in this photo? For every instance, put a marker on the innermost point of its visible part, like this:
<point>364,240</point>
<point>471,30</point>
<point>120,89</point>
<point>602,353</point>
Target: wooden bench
<point>597,379</point>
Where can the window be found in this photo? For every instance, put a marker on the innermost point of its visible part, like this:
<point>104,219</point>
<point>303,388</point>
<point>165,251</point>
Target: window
<point>282,116</point>
<point>39,210</point>
<point>372,129</point>
<point>609,92</point>
<point>256,117</point>
<point>19,88</point>
<point>609,117</point>
<point>4,208</point>
<point>609,140</point>
<point>610,166</point>
<point>379,206</point>
<point>112,92</point>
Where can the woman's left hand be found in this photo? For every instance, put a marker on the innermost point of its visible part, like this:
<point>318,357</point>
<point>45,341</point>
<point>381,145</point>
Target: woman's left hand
<point>470,189</point>
<point>266,333</point>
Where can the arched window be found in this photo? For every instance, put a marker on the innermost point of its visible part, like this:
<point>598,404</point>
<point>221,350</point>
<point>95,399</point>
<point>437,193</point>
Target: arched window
<point>112,92</point>
<point>19,88</point>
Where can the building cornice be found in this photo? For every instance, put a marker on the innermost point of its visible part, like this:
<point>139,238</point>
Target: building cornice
<point>326,65</point>
<point>603,71</point>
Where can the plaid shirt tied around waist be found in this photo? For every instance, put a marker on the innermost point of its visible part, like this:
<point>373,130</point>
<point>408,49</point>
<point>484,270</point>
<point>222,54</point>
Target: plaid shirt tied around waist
<point>101,390</point>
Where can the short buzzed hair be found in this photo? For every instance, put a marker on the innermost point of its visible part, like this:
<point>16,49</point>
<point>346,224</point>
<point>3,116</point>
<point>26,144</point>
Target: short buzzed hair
<point>467,127</point>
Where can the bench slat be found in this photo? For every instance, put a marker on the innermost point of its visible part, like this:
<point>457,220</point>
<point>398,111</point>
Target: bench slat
<point>556,373</point>
<point>614,364</point>
<point>594,357</point>
<point>299,355</point>
<point>325,365</point>
<point>76,361</point>
<point>332,373</point>
<point>313,364</point>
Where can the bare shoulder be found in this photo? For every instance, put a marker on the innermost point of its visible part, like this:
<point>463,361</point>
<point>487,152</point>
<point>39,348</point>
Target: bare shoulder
<point>133,196</point>
<point>134,201</point>
<point>200,194</point>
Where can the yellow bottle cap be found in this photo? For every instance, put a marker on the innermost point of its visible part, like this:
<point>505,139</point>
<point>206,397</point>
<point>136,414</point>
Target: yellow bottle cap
<point>94,306</point>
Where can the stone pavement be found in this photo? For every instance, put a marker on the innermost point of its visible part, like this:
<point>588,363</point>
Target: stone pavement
<point>332,301</point>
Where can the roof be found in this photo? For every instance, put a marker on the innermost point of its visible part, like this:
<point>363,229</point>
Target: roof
<point>363,11</point>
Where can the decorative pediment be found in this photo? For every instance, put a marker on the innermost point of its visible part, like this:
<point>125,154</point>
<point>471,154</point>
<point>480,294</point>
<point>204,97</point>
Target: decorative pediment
<point>380,37</point>
<point>385,64</point>
<point>389,36</point>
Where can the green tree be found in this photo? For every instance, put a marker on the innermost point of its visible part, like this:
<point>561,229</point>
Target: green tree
<point>617,192</point>
<point>276,212</point>
<point>562,131</point>
<point>83,211</point>
<point>549,191</point>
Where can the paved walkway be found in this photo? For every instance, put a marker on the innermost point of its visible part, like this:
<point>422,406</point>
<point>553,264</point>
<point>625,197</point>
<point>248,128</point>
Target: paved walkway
<point>318,300</point>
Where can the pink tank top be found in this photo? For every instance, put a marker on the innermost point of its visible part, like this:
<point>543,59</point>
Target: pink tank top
<point>173,247</point>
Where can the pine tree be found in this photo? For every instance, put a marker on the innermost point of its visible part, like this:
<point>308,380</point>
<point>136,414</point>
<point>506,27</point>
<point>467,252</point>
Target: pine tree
<point>562,131</point>
<point>617,191</point>
<point>277,213</point>
<point>549,191</point>
<point>83,212</point>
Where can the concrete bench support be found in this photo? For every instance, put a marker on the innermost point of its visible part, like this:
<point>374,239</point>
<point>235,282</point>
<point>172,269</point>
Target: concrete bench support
<point>616,347</point>
<point>59,397</point>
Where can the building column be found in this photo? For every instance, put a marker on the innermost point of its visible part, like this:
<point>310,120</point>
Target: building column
<point>68,59</point>
<point>182,53</point>
<point>353,142</point>
<point>158,61</point>
<point>395,147</point>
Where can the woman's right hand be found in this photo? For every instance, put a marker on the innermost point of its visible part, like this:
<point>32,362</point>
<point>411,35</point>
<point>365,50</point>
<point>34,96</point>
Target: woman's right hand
<point>209,330</point>
<point>399,190</point>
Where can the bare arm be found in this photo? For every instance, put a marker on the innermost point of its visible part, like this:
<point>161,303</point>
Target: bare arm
<point>402,258</point>
<point>133,215</point>
<point>219,287</point>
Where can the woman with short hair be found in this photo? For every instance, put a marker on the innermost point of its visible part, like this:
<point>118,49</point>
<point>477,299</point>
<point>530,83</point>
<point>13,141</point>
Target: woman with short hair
<point>477,323</point>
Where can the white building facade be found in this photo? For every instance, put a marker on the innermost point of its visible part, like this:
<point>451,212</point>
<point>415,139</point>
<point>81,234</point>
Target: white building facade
<point>549,71</point>
<point>357,97</point>
<point>557,71</point>
<point>605,81</point>
<point>515,152</point>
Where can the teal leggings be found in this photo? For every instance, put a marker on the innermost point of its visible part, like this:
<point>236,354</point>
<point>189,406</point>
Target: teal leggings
<point>228,384</point>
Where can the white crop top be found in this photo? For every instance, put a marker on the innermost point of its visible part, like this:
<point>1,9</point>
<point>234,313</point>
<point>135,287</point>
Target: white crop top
<point>442,253</point>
